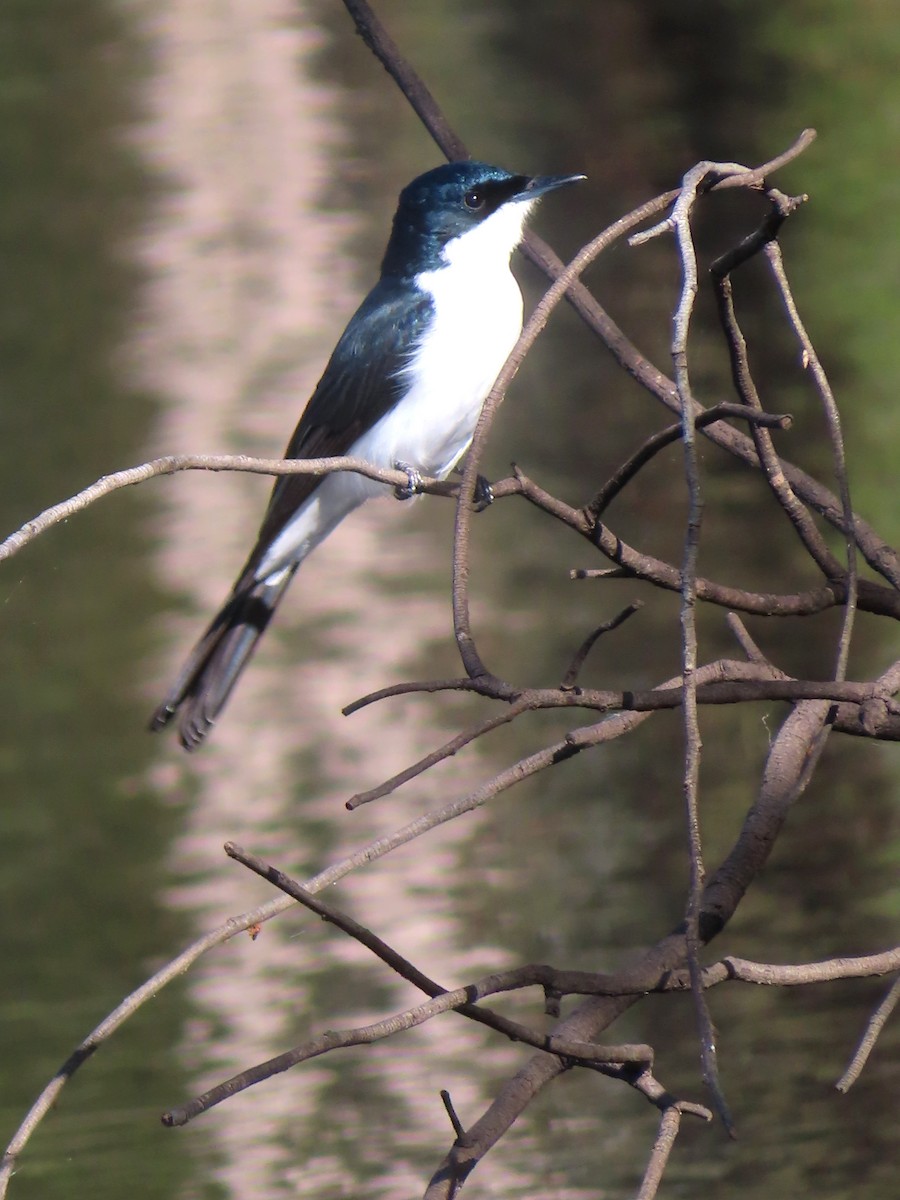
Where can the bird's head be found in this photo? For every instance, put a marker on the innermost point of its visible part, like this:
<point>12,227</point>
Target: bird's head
<point>462,208</point>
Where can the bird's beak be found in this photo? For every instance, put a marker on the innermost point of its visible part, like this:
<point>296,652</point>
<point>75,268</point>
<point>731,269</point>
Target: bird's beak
<point>538,185</point>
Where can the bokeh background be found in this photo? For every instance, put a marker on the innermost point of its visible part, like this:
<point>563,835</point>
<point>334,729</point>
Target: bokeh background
<point>194,197</point>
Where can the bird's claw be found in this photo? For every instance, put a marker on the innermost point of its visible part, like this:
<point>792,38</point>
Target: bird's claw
<point>413,484</point>
<point>483,495</point>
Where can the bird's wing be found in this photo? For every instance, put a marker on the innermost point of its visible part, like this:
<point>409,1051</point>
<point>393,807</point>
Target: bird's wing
<point>361,382</point>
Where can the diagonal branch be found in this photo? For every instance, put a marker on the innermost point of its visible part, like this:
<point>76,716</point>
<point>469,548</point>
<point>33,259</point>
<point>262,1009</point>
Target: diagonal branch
<point>720,272</point>
<point>672,433</point>
<point>460,1000</point>
<point>835,433</point>
<point>876,1023</point>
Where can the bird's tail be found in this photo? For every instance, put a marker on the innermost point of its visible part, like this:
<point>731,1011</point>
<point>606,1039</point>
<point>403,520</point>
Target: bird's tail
<point>207,678</point>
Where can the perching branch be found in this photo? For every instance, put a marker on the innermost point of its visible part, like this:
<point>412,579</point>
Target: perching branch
<point>172,463</point>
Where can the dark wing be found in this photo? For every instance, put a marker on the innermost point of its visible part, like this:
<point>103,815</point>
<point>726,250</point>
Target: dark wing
<point>360,384</point>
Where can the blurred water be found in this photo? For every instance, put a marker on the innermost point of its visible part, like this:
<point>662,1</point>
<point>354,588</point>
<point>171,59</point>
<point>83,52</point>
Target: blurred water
<point>198,196</point>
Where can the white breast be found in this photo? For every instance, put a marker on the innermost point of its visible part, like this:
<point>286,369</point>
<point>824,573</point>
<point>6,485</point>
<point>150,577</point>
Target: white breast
<point>477,319</point>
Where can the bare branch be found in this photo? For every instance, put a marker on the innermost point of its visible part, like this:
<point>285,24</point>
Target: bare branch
<point>876,1023</point>
<point>724,681</point>
<point>800,975</point>
<point>836,437</point>
<point>669,1124</point>
<point>746,642</point>
<point>451,1113</point>
<point>872,597</point>
<point>781,784</point>
<point>172,463</point>
<point>681,222</point>
<point>460,1000</point>
<point>461,620</point>
<point>446,751</point>
<point>571,676</point>
<point>672,433</point>
<point>385,49</point>
<point>182,962</point>
<point>781,207</point>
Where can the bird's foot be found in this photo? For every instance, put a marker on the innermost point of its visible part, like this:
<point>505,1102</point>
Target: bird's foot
<point>483,495</point>
<point>413,484</point>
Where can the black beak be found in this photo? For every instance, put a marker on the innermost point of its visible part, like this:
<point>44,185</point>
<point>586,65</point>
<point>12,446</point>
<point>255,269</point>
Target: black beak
<point>539,185</point>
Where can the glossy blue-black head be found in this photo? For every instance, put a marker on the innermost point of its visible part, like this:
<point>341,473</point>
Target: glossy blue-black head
<point>453,200</point>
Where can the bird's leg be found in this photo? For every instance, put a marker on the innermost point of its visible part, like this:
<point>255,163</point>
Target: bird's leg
<point>414,481</point>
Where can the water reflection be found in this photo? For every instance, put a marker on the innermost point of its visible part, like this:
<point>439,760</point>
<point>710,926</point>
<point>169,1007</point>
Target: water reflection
<point>81,847</point>
<point>245,258</point>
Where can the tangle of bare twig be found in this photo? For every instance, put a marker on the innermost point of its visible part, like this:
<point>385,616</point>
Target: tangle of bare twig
<point>862,708</point>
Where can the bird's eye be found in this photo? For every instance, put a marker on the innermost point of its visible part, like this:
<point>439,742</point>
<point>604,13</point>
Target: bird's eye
<point>474,199</point>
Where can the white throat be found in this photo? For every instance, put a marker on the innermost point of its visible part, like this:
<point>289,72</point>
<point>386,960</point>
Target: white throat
<point>488,245</point>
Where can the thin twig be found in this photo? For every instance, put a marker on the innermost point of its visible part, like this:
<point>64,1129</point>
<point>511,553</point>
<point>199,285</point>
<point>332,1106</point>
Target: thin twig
<point>443,752</point>
<point>720,271</point>
<point>746,642</point>
<point>827,970</point>
<point>681,221</point>
<point>835,433</point>
<point>723,681</point>
<point>874,1027</point>
<point>447,1102</point>
<point>669,1124</point>
<point>871,597</point>
<point>579,658</point>
<point>666,437</point>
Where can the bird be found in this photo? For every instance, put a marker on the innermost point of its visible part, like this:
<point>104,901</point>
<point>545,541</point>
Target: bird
<point>403,389</point>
